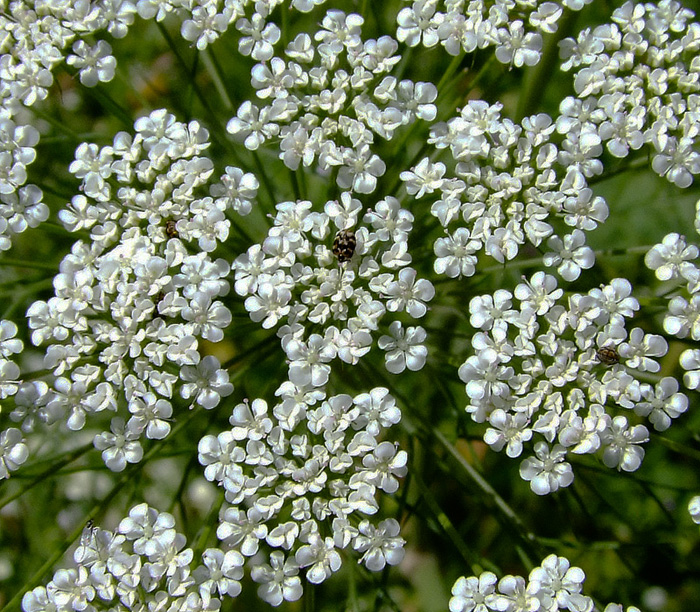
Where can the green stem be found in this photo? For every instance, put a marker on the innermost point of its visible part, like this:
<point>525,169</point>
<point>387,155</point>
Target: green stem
<point>34,265</point>
<point>209,522</point>
<point>679,448</point>
<point>212,68</point>
<point>265,179</point>
<point>538,77</point>
<point>511,517</point>
<point>51,471</point>
<point>187,71</point>
<point>471,558</point>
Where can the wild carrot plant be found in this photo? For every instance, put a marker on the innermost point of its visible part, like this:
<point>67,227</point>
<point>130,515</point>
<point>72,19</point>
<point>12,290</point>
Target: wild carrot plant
<point>342,305</point>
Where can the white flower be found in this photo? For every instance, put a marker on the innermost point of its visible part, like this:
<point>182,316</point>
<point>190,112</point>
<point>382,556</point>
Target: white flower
<point>94,63</point>
<point>119,447</point>
<point>548,472</point>
<point>360,169</point>
<point>424,178</point>
<point>639,349</point>
<point>404,349</point>
<point>455,254</point>
<point>662,403</point>
<point>378,409</point>
<point>671,258</point>
<point>259,37</point>
<point>145,526</point>
<point>690,361</point>
<point>381,545</point>
<point>678,162</point>
<point>560,585</point>
<point>415,24</point>
<point>279,581</point>
<point>621,442</point>
<point>384,465</point>
<point>409,294</point>
<point>206,25</point>
<point>471,594</point>
<point>308,360</point>
<point>515,594</point>
<point>269,304</point>
<point>237,190</point>
<point>13,451</point>
<point>694,509</point>
<point>539,293</point>
<point>570,255</point>
<point>516,47</point>
<point>320,557</point>
<point>206,382</point>
<point>509,431</point>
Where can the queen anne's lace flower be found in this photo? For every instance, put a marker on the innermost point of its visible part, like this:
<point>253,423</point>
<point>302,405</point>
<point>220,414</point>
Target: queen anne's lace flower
<point>510,186</point>
<point>538,370</point>
<point>293,277</point>
<point>137,293</point>
<point>636,70</point>
<point>312,116</point>
<point>554,585</point>
<point>303,475</point>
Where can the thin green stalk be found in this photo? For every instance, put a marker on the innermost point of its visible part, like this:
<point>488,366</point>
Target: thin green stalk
<point>105,100</point>
<point>537,78</point>
<point>309,597</point>
<point>19,296</point>
<point>208,526</point>
<point>679,448</point>
<point>353,602</point>
<point>265,179</point>
<point>187,71</point>
<point>128,85</point>
<point>469,556</point>
<point>47,473</point>
<point>295,184</point>
<point>212,68</point>
<point>33,265</point>
<point>57,123</point>
<point>512,518</point>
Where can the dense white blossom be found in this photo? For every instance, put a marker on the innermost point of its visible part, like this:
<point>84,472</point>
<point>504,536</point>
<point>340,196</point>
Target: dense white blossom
<point>329,264</point>
<point>554,585</point>
<point>631,81</point>
<point>272,460</point>
<point>544,369</point>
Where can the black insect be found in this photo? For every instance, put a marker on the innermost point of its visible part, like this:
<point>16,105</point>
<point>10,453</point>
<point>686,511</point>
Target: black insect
<point>608,355</point>
<point>344,245</point>
<point>171,229</point>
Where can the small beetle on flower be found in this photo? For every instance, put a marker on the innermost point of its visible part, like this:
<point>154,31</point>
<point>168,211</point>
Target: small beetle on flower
<point>344,245</point>
<point>608,355</point>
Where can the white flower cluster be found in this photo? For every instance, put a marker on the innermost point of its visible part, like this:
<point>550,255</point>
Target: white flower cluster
<point>542,368</point>
<point>38,35</point>
<point>675,262</point>
<point>636,83</point>
<point>514,28</point>
<point>13,449</point>
<point>20,205</point>
<point>144,564</point>
<point>293,277</point>
<point>554,585</point>
<point>327,101</point>
<point>296,478</point>
<point>510,184</point>
<point>130,306</point>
